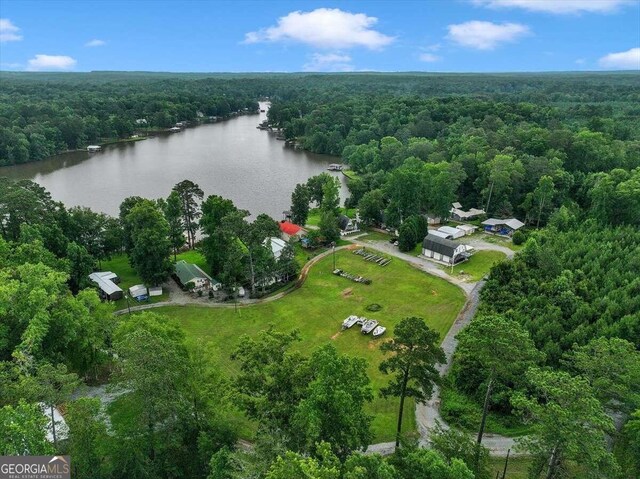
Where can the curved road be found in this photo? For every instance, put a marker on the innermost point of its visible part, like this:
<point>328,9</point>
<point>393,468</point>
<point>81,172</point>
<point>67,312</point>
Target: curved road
<point>428,414</point>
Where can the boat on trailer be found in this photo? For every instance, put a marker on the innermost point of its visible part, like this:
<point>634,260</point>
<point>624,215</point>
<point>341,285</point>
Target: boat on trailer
<point>379,331</point>
<point>350,321</point>
<point>369,325</point>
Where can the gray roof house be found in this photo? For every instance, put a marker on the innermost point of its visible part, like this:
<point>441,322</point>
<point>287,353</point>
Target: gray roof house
<point>503,227</point>
<point>105,280</point>
<point>442,249</point>
<point>347,225</point>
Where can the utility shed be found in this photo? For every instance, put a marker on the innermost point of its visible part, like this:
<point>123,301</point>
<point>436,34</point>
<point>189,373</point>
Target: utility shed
<point>109,290</point>
<point>442,249</point>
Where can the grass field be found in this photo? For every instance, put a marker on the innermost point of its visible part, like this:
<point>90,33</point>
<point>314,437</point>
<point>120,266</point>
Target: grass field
<point>317,310</point>
<point>477,266</point>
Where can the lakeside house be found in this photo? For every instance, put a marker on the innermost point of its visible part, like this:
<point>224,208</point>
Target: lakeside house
<point>458,214</point>
<point>442,249</point>
<point>348,225</point>
<point>276,245</point>
<point>505,227</point>
<point>290,230</point>
<point>191,273</point>
<point>106,282</point>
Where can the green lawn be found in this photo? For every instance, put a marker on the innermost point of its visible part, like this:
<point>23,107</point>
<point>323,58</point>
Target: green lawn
<point>375,236</point>
<point>477,266</point>
<point>317,310</point>
<point>517,467</point>
<point>314,215</point>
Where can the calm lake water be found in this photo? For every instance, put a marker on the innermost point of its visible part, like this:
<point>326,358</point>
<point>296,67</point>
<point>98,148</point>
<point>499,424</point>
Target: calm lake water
<point>232,159</point>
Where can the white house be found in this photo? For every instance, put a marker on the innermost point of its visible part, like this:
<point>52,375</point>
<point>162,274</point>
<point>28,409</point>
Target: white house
<point>442,249</point>
<point>453,232</point>
<point>276,245</point>
<point>348,225</point>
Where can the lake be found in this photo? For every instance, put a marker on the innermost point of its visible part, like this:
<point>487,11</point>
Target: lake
<point>232,159</point>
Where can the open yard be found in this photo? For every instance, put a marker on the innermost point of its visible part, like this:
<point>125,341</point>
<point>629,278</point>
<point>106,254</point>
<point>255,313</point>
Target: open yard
<point>477,266</point>
<point>317,310</point>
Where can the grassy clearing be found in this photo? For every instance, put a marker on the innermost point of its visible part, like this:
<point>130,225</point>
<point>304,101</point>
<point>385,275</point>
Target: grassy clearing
<point>350,174</point>
<point>477,266</point>
<point>317,310</point>
<point>499,240</point>
<point>517,467</point>
<point>375,236</point>
<point>314,215</point>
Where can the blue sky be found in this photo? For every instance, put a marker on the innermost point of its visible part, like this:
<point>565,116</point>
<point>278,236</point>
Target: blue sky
<point>259,36</point>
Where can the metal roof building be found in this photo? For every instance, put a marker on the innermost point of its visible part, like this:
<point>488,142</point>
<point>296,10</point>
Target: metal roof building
<point>105,282</point>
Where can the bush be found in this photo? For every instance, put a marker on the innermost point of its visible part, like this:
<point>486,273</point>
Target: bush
<point>374,307</point>
<point>518,238</point>
<point>210,294</point>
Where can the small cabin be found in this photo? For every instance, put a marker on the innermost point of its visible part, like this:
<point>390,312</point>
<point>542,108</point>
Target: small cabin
<point>191,273</point>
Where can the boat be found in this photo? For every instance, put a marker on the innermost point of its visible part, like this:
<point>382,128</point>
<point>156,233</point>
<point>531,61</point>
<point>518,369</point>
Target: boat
<point>94,148</point>
<point>379,331</point>
<point>350,321</point>
<point>369,325</point>
<point>334,167</point>
<point>175,129</point>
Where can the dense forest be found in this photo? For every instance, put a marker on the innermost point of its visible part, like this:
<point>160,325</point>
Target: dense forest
<point>554,346</point>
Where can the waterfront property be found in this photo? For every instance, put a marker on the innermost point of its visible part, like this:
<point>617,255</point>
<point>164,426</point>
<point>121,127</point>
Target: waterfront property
<point>317,309</point>
<point>191,273</point>
<point>107,287</point>
<point>290,230</point>
<point>505,227</point>
<point>443,249</point>
<point>347,225</point>
<point>277,245</point>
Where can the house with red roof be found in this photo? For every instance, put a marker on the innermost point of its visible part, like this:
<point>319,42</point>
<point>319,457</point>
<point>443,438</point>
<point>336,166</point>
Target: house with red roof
<point>290,230</point>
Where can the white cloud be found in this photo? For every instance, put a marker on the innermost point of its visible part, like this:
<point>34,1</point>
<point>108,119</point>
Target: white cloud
<point>324,28</point>
<point>11,66</point>
<point>95,43</point>
<point>485,35</point>
<point>8,31</point>
<point>629,60</point>
<point>580,61</point>
<point>50,62</point>
<point>557,6</point>
<point>329,62</point>
<point>429,57</point>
